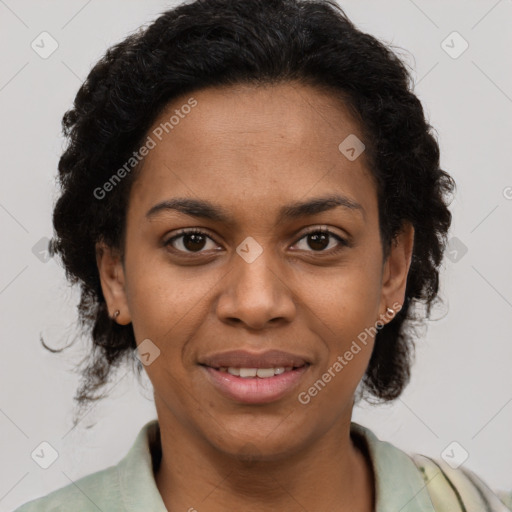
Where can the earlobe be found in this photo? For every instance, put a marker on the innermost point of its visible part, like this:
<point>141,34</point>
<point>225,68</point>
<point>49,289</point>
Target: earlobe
<point>396,269</point>
<point>111,272</point>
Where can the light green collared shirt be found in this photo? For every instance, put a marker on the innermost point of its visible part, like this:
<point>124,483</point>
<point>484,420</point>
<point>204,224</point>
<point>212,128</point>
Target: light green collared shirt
<point>404,483</point>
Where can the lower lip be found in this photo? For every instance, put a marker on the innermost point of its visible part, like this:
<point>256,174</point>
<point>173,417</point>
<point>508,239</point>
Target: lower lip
<point>254,390</point>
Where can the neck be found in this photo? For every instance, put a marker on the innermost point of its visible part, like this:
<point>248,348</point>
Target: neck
<point>331,474</point>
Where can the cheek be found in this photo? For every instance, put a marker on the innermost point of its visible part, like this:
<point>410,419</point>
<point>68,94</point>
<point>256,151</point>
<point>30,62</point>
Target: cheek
<point>166,303</point>
<point>346,300</point>
<point>345,311</point>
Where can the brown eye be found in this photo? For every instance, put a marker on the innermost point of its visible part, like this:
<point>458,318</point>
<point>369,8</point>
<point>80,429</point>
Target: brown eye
<point>189,241</point>
<point>320,239</point>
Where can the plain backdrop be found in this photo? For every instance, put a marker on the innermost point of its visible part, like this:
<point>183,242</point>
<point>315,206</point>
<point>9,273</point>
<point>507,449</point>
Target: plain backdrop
<point>461,386</point>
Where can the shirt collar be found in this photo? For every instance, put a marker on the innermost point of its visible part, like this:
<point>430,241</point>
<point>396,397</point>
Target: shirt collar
<point>399,485</point>
<point>136,479</point>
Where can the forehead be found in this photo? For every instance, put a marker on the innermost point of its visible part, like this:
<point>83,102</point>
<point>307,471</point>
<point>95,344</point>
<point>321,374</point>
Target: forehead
<point>244,146</point>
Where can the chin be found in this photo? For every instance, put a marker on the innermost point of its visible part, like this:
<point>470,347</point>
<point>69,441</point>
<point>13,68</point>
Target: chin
<point>253,447</point>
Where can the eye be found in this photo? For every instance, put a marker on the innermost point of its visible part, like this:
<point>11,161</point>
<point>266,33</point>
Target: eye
<point>320,240</point>
<point>189,241</point>
<point>194,241</point>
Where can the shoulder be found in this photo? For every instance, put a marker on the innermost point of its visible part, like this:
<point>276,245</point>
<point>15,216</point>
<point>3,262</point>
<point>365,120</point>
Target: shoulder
<point>97,491</point>
<point>452,489</point>
<point>128,485</point>
<point>413,482</point>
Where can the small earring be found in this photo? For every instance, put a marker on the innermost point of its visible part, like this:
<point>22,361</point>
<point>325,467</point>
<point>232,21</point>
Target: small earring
<point>116,314</point>
<point>390,311</point>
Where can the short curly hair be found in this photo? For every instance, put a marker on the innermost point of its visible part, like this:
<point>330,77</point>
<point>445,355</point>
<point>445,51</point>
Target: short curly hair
<point>220,43</point>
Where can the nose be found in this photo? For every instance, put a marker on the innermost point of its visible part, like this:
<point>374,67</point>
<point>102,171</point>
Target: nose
<point>256,293</point>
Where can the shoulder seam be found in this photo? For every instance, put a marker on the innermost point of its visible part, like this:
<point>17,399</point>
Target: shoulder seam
<point>449,482</point>
<point>478,489</point>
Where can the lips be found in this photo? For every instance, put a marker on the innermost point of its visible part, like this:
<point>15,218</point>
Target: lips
<point>249,377</point>
<point>246,359</point>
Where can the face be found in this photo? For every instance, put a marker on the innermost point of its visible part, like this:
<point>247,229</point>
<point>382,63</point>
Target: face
<point>286,257</point>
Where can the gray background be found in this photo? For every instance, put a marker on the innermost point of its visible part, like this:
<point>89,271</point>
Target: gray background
<point>461,388</point>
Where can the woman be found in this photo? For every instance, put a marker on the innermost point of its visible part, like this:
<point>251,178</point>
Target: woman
<point>252,203</point>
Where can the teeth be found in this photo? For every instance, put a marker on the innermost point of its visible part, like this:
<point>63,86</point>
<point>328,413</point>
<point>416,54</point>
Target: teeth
<point>248,372</point>
<point>262,373</point>
<point>266,372</point>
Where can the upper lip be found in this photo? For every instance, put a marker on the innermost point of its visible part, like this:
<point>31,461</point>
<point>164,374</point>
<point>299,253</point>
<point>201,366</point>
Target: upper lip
<point>245,359</point>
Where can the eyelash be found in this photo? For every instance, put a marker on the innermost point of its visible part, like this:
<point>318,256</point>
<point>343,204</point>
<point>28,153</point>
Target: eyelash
<point>195,231</point>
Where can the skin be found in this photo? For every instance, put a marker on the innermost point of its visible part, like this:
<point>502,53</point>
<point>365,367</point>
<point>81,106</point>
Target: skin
<point>252,150</point>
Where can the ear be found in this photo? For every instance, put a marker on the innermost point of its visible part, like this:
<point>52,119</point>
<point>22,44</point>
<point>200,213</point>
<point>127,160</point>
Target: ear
<point>111,271</point>
<point>395,272</point>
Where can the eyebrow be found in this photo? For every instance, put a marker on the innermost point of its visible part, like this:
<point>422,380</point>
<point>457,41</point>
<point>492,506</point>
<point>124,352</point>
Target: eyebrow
<point>203,209</point>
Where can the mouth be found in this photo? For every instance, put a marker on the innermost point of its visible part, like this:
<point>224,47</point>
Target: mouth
<point>261,373</point>
<point>249,377</point>
<point>248,360</point>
